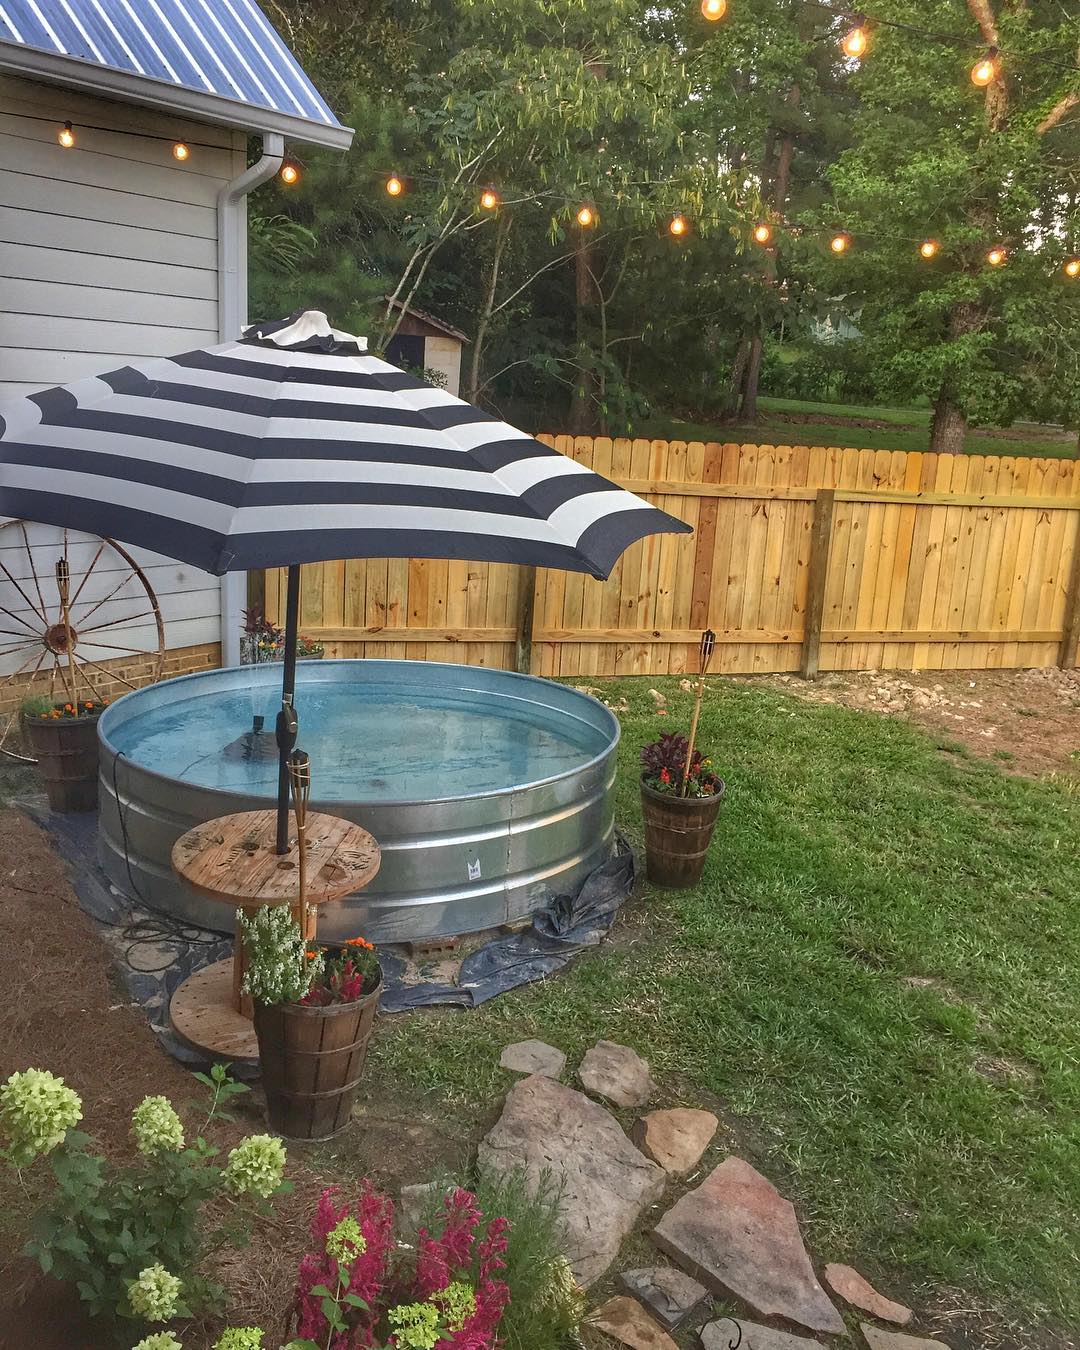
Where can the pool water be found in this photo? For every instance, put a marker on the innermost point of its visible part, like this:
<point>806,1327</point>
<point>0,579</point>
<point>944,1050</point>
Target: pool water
<point>381,741</point>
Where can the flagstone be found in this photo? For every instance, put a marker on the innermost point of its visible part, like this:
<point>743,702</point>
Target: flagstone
<point>877,1339</point>
<point>860,1293</point>
<point>675,1139</point>
<point>551,1131</point>
<point>616,1073</point>
<point>626,1320</point>
<point>727,1333</point>
<point>667,1293</point>
<point>533,1057</point>
<point>738,1235</point>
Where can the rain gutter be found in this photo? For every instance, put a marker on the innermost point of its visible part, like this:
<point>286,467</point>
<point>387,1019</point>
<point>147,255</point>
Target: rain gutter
<point>232,315</point>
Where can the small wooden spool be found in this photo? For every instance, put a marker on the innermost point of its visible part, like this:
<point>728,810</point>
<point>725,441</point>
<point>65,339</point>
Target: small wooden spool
<point>232,859</point>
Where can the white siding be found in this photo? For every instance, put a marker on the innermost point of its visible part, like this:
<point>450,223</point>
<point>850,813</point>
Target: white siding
<point>108,254</point>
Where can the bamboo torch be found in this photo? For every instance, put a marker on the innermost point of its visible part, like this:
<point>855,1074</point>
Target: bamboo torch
<point>708,642</point>
<point>63,586</point>
<point>300,782</point>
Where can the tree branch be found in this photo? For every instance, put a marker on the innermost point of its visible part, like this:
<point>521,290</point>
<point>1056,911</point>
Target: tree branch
<point>983,15</point>
<point>1057,113</point>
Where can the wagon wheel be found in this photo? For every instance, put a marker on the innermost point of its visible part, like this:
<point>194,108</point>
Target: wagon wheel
<point>66,607</point>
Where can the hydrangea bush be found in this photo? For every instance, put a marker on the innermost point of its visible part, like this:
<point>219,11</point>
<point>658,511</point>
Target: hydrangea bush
<point>133,1237</point>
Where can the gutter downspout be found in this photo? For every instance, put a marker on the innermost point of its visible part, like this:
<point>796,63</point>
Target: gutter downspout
<point>232,315</point>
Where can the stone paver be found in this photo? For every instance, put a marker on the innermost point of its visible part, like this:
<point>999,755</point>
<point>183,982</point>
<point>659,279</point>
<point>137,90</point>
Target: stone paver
<point>667,1293</point>
<point>414,1201</point>
<point>548,1128</point>
<point>616,1073</point>
<point>877,1339</point>
<point>846,1282</point>
<point>533,1057</point>
<point>675,1139</point>
<point>738,1235</point>
<point>727,1333</point>
<point>626,1320</point>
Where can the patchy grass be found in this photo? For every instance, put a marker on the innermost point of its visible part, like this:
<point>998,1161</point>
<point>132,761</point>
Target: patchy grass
<point>880,925</point>
<point>785,421</point>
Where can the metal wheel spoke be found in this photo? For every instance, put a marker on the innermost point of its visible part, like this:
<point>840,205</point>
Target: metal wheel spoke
<point>28,636</point>
<point>111,647</point>
<point>29,603</point>
<point>105,599</point>
<point>33,569</point>
<point>22,669</point>
<point>86,574</point>
<point>110,674</point>
<point>28,626</point>
<point>10,647</point>
<point>111,623</point>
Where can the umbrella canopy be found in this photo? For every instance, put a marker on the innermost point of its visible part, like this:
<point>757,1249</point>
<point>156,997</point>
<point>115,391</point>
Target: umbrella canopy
<point>293,445</point>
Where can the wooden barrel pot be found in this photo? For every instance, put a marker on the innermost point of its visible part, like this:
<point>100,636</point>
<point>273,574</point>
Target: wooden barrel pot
<point>66,750</point>
<point>312,1060</point>
<point>677,835</point>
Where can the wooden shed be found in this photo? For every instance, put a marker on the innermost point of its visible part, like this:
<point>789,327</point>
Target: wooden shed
<point>423,342</point>
<point>124,145</point>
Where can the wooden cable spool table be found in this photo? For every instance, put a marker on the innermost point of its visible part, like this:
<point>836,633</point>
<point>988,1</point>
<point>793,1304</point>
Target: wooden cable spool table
<point>233,859</point>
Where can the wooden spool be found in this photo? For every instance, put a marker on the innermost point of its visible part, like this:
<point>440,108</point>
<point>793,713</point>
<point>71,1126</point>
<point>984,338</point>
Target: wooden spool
<point>232,859</point>
<point>311,1061</point>
<point>677,835</point>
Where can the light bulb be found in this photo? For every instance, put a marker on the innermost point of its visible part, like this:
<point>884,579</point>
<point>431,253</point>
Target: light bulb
<point>66,136</point>
<point>290,174</point>
<point>996,256</point>
<point>489,199</point>
<point>1072,267</point>
<point>586,216</point>
<point>677,225</point>
<point>854,41</point>
<point>839,243</point>
<point>762,233</point>
<point>713,10</point>
<point>394,186</point>
<point>180,151</point>
<point>929,247</point>
<point>986,71</point>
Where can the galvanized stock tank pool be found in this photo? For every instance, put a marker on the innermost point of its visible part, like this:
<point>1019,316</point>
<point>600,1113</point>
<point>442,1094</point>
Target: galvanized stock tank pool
<point>486,790</point>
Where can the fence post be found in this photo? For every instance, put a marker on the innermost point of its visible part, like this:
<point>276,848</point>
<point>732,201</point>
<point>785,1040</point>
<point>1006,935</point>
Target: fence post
<point>820,542</point>
<point>525,611</point>
<point>1067,648</point>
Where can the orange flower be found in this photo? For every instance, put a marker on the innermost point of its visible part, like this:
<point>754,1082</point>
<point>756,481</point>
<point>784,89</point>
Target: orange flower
<point>311,955</point>
<point>359,942</point>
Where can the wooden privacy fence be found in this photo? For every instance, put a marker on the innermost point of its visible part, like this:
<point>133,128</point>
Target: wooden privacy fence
<point>801,558</point>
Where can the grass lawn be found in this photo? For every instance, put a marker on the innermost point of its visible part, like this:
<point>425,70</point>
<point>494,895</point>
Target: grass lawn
<point>927,1132</point>
<point>785,421</point>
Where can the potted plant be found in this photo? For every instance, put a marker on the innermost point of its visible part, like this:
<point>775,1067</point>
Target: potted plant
<point>63,740</point>
<point>262,641</point>
<point>680,798</point>
<point>313,1011</point>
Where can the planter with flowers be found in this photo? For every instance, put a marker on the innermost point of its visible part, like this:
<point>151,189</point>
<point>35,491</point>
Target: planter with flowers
<point>63,740</point>
<point>680,801</point>
<point>314,1010</point>
<point>263,641</point>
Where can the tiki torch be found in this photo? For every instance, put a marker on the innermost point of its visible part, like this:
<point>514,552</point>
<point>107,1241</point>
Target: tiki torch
<point>708,642</point>
<point>300,782</point>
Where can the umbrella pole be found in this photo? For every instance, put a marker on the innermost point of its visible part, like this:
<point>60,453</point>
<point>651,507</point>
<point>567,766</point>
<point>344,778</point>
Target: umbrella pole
<point>286,718</point>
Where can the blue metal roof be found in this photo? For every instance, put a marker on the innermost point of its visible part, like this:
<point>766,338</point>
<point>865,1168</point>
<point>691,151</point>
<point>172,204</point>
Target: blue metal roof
<point>218,48</point>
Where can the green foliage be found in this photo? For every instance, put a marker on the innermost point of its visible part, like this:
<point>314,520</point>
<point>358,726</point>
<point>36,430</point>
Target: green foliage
<point>133,1239</point>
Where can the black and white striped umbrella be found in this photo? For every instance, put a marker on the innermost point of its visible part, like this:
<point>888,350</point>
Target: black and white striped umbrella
<point>293,445</point>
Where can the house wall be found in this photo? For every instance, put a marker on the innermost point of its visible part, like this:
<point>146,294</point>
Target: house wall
<point>444,353</point>
<point>108,254</point>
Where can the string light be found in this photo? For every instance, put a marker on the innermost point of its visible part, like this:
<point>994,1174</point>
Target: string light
<point>180,151</point>
<point>986,71</point>
<point>1072,267</point>
<point>290,174</point>
<point>489,199</point>
<point>840,243</point>
<point>929,247</point>
<point>762,233</point>
<point>854,41</point>
<point>996,256</point>
<point>394,186</point>
<point>586,216</point>
<point>66,136</point>
<point>713,10</point>
<point>677,225</point>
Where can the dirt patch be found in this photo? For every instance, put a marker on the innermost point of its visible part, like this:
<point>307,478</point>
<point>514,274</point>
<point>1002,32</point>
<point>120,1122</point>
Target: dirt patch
<point>1025,721</point>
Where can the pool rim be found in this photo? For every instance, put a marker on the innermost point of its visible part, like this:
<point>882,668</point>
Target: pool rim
<point>609,749</point>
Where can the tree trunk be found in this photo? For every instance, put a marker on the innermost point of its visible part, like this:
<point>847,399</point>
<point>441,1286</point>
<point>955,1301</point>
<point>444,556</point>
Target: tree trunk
<point>582,418</point>
<point>949,426</point>
<point>748,410</point>
<point>738,370</point>
<point>472,386</point>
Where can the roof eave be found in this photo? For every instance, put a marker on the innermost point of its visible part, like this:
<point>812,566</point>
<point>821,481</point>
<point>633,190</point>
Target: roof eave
<point>153,93</point>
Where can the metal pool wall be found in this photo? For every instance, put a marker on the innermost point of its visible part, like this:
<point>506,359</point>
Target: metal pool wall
<point>449,866</point>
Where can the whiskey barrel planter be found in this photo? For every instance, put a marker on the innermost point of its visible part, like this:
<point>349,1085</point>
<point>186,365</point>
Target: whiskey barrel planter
<point>677,835</point>
<point>312,1060</point>
<point>66,750</point>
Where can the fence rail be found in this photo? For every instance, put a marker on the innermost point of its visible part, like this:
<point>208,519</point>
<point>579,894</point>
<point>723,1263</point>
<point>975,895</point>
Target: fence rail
<point>802,558</point>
